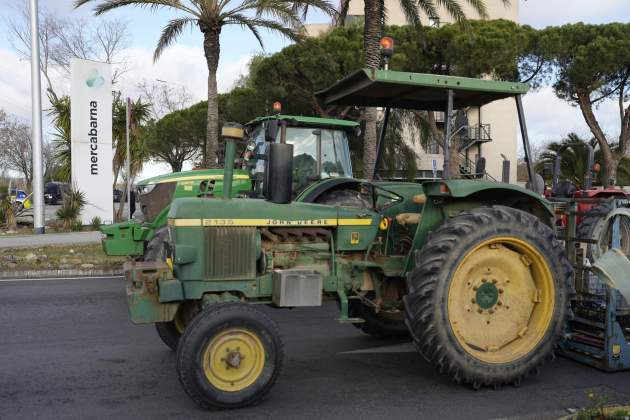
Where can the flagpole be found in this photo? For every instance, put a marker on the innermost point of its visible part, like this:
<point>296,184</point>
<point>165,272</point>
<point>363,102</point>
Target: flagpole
<point>128,164</point>
<point>36,124</point>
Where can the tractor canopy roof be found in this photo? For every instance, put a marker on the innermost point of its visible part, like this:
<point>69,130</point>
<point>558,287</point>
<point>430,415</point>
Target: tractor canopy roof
<point>308,121</point>
<point>429,92</point>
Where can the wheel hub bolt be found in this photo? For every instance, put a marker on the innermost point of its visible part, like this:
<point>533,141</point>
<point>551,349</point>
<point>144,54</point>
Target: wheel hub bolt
<point>233,359</point>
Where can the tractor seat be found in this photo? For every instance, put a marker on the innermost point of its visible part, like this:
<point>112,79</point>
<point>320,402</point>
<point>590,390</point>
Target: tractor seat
<point>419,199</point>
<point>408,218</point>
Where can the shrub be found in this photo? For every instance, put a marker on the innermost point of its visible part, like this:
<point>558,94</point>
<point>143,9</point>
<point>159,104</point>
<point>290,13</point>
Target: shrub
<point>70,210</point>
<point>7,213</point>
<point>77,226</point>
<point>95,222</point>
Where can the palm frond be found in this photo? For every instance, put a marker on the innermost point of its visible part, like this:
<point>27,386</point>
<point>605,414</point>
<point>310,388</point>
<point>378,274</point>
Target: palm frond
<point>454,9</point>
<point>266,24</point>
<point>302,7</point>
<point>107,5</point>
<point>428,7</point>
<point>170,33</point>
<point>411,11</point>
<point>244,21</point>
<point>480,7</point>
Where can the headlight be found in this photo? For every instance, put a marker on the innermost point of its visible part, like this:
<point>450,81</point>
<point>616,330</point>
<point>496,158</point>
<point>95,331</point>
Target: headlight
<point>146,189</point>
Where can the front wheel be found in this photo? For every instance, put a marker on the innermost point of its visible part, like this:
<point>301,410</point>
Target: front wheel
<point>229,356</point>
<point>488,298</point>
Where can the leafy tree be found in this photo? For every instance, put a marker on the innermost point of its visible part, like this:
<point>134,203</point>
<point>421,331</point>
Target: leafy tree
<point>177,136</point>
<point>497,47</point>
<point>210,16</point>
<point>591,63</point>
<point>375,17</point>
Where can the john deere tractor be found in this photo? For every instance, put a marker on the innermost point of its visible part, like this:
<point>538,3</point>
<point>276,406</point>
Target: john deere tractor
<point>318,142</point>
<point>470,269</point>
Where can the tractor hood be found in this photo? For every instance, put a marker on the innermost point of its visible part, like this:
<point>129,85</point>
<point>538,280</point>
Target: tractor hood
<point>194,175</point>
<point>255,212</point>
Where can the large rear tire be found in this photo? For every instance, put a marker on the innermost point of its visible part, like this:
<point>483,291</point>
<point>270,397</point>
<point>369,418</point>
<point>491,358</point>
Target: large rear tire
<point>229,356</point>
<point>489,296</point>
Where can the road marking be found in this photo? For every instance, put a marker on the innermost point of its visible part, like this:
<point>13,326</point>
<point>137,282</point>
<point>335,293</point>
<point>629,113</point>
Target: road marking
<point>59,278</point>
<point>394,348</point>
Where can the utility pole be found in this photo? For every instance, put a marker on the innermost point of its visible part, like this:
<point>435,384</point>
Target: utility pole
<point>128,124</point>
<point>36,123</point>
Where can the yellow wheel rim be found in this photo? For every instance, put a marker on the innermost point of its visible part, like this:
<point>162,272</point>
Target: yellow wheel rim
<point>501,300</point>
<point>233,359</point>
<point>179,323</point>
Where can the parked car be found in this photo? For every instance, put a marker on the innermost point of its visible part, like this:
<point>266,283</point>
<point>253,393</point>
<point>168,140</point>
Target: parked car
<point>21,198</point>
<point>54,191</point>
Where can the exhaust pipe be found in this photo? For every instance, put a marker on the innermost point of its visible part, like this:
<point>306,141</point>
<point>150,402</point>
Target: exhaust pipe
<point>231,133</point>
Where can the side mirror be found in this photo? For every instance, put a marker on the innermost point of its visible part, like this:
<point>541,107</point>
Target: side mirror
<point>271,130</point>
<point>547,171</point>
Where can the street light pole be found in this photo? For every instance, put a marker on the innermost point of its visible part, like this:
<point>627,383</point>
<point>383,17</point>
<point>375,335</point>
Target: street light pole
<point>36,124</point>
<point>128,124</point>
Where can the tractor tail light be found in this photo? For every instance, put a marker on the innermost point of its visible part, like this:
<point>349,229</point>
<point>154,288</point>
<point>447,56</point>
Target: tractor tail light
<point>444,189</point>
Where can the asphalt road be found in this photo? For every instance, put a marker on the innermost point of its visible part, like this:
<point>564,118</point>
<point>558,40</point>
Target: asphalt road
<point>68,350</point>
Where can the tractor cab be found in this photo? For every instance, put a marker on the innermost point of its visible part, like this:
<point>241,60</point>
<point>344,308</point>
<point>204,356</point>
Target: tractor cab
<point>320,147</point>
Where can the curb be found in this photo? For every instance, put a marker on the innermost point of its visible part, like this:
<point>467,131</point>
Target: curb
<point>34,274</point>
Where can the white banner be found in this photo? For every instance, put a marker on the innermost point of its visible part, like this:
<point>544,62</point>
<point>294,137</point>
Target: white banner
<point>91,124</point>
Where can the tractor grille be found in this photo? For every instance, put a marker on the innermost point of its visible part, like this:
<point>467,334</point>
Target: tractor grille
<point>231,252</point>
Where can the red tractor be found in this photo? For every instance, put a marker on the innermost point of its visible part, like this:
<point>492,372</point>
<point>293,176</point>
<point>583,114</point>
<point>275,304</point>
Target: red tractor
<point>593,203</point>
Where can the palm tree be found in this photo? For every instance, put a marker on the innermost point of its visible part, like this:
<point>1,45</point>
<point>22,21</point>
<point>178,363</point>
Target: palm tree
<point>375,15</point>
<point>573,165</point>
<point>574,162</point>
<point>210,16</point>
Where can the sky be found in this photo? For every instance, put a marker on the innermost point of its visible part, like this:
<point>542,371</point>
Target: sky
<point>183,64</point>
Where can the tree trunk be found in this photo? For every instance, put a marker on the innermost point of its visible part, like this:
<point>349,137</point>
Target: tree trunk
<point>176,166</point>
<point>371,36</point>
<point>211,49</point>
<point>609,176</point>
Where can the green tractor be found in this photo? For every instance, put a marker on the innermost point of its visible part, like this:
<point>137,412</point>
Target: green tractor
<point>470,269</point>
<point>309,135</point>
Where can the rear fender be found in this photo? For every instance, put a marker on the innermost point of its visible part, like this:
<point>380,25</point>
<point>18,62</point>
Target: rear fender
<point>446,199</point>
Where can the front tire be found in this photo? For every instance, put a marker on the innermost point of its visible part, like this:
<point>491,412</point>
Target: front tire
<point>229,356</point>
<point>488,299</point>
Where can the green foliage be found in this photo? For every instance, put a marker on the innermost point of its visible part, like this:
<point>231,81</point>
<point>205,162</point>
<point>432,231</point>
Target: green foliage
<point>70,210</point>
<point>76,226</point>
<point>7,213</point>
<point>590,63</point>
<point>573,165</point>
<point>95,223</point>
<point>177,136</point>
<point>60,113</point>
<point>598,410</point>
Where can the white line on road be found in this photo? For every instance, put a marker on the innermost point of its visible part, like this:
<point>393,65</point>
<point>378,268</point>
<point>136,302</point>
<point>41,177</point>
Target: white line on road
<point>59,278</point>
